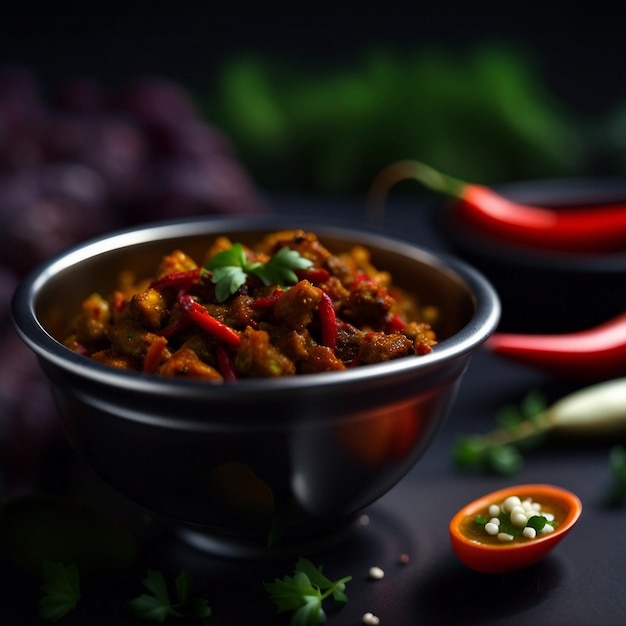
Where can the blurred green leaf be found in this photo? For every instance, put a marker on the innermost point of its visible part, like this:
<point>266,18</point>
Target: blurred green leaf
<point>485,117</point>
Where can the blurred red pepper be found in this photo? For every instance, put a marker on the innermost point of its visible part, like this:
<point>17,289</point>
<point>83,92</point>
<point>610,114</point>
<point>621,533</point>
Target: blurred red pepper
<point>596,353</point>
<point>600,228</point>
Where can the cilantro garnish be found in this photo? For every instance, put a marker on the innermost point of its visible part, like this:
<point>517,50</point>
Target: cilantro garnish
<point>304,593</point>
<point>157,606</point>
<point>232,267</point>
<point>501,451</point>
<point>61,590</point>
<point>617,464</point>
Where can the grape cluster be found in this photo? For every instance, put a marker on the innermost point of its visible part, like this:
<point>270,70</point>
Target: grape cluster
<point>86,160</point>
<point>81,161</point>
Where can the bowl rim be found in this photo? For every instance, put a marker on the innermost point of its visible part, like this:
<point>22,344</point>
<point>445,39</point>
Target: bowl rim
<point>482,324</point>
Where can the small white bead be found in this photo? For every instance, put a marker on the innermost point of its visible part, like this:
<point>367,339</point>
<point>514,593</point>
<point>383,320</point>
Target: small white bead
<point>519,519</point>
<point>548,516</point>
<point>492,529</point>
<point>376,573</point>
<point>529,532</point>
<point>527,504</point>
<point>547,529</point>
<point>536,506</point>
<point>369,619</point>
<point>505,537</point>
<point>494,510</point>
<point>495,520</point>
<point>510,503</point>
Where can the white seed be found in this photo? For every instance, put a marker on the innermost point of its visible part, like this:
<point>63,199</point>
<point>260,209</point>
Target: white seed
<point>492,529</point>
<point>510,503</point>
<point>505,537</point>
<point>547,529</point>
<point>548,516</point>
<point>529,532</point>
<point>494,510</point>
<point>519,519</point>
<point>369,619</point>
<point>376,573</point>
<point>495,520</point>
<point>527,504</point>
<point>536,506</point>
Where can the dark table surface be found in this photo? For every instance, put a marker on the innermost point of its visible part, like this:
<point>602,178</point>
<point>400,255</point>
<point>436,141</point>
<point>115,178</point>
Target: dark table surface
<point>582,582</point>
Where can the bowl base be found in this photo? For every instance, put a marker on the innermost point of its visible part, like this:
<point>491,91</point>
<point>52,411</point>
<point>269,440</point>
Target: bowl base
<point>246,548</point>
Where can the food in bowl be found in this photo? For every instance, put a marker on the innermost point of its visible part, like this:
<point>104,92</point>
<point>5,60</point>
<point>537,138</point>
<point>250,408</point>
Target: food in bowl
<point>288,459</point>
<point>284,306</point>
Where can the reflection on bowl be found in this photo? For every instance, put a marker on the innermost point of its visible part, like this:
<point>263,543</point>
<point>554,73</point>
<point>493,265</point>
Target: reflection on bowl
<point>546,292</point>
<point>293,459</point>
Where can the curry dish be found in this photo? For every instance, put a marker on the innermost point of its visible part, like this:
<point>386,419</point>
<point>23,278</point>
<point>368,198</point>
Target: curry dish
<point>288,306</point>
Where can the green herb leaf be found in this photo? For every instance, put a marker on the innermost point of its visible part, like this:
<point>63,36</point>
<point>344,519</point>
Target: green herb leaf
<point>61,590</point>
<point>617,464</point>
<point>303,594</point>
<point>230,269</point>
<point>537,522</point>
<point>279,270</point>
<point>158,606</point>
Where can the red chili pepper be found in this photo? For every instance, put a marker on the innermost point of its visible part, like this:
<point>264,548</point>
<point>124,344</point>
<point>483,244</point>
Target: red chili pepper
<point>328,321</point>
<point>225,363</point>
<point>590,229</point>
<point>178,280</point>
<point>268,301</point>
<point>393,324</point>
<point>200,316</point>
<point>592,354</point>
<point>119,301</point>
<point>315,275</point>
<point>171,329</point>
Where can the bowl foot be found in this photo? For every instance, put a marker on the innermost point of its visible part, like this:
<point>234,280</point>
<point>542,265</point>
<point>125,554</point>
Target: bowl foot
<point>247,548</point>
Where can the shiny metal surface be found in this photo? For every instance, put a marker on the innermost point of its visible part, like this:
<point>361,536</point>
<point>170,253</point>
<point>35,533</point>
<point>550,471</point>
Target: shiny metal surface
<point>293,458</point>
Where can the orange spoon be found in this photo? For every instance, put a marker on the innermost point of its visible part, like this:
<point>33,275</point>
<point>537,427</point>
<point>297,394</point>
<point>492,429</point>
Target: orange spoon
<point>484,553</point>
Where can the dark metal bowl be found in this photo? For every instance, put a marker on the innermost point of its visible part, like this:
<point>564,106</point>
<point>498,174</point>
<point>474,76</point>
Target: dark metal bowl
<point>294,458</point>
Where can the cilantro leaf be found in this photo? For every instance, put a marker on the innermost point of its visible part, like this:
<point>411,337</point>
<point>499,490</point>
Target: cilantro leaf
<point>303,594</point>
<point>61,590</point>
<point>227,280</point>
<point>279,270</point>
<point>158,606</point>
<point>230,268</point>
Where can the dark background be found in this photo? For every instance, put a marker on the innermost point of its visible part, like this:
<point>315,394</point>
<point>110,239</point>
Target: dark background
<point>579,52</point>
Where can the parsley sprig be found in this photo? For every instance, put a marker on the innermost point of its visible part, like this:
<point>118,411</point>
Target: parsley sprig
<point>501,451</point>
<point>616,494</point>
<point>61,590</point>
<point>157,605</point>
<point>304,593</point>
<point>232,267</point>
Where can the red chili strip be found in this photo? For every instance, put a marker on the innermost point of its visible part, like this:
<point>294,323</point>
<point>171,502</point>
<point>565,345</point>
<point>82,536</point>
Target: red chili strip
<point>178,280</point>
<point>175,327</point>
<point>268,301</point>
<point>200,316</point>
<point>328,321</point>
<point>593,354</point>
<point>225,363</point>
<point>315,275</point>
<point>589,229</point>
<point>394,324</point>
<point>119,301</point>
